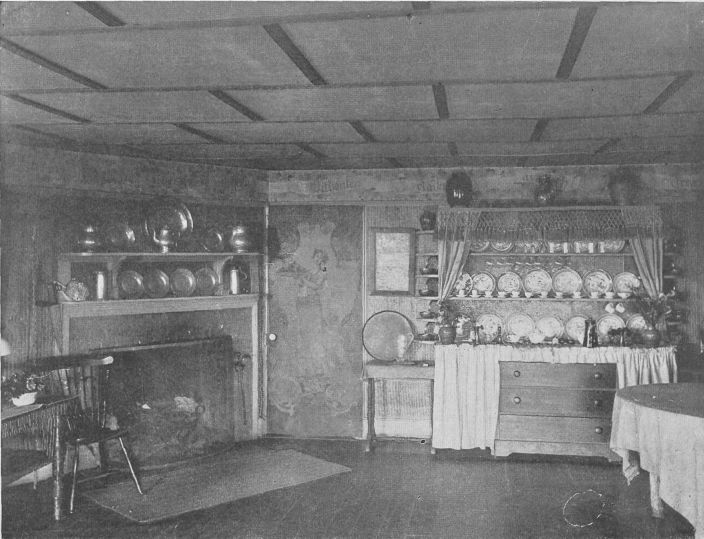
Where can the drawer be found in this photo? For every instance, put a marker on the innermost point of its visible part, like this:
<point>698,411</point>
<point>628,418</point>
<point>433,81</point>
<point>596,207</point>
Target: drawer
<point>554,429</point>
<point>580,375</point>
<point>553,400</point>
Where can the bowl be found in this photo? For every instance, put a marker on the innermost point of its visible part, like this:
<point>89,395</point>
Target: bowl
<point>624,295</point>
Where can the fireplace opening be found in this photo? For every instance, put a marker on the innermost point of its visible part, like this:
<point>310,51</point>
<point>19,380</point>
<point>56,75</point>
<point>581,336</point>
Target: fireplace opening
<point>179,400</point>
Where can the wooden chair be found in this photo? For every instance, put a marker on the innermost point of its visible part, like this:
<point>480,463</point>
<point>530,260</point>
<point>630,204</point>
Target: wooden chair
<point>88,378</point>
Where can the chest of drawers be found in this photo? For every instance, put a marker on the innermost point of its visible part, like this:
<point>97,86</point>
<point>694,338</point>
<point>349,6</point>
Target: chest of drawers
<point>562,409</point>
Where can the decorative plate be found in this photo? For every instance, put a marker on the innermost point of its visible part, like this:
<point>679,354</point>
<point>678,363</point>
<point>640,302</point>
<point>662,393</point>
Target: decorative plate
<point>626,282</point>
<point>608,322</point>
<point>612,246</point>
<point>156,283</point>
<point>183,282</point>
<point>478,246</point>
<point>550,326</point>
<point>537,281</point>
<point>509,282</point>
<point>597,281</point>
<point>502,246</point>
<point>206,281</point>
<point>574,328</point>
<point>130,284</point>
<point>490,324</point>
<point>483,282</point>
<point>567,281</point>
<point>520,324</point>
<point>636,323</point>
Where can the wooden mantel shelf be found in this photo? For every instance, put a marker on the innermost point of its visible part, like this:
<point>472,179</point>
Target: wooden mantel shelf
<point>82,309</point>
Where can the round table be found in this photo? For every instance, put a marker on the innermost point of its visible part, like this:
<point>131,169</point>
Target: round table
<point>664,423</point>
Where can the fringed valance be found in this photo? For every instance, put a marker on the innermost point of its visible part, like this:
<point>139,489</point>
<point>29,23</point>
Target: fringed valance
<point>582,223</point>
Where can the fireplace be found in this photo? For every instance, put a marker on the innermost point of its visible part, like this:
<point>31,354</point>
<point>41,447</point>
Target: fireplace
<point>179,400</point>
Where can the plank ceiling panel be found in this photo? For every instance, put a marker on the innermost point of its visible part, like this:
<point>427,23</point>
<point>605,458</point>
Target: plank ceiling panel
<point>657,144</point>
<point>171,58</point>
<point>653,125</point>
<point>43,15</point>
<point>225,151</point>
<point>531,148</point>
<point>283,131</point>
<point>382,150</point>
<point>689,98</point>
<point>13,112</point>
<point>550,99</point>
<point>121,133</point>
<point>496,44</point>
<point>16,73</point>
<point>142,106</point>
<point>330,104</point>
<point>655,37</point>
<point>452,130</point>
<point>152,13</point>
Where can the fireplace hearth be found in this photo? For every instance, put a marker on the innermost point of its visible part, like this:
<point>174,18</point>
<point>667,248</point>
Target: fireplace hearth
<point>178,399</point>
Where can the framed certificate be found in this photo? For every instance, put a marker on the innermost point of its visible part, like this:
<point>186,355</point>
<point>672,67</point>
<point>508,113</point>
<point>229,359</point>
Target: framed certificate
<point>393,261</point>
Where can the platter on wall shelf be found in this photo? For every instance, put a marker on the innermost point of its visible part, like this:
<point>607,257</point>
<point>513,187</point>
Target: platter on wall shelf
<point>550,326</point>
<point>537,281</point>
<point>490,324</point>
<point>626,282</point>
<point>156,283</point>
<point>478,246</point>
<point>212,240</point>
<point>520,324</point>
<point>509,282</point>
<point>597,282</point>
<point>130,284</point>
<point>119,236</point>
<point>611,246</point>
<point>502,246</point>
<point>566,281</point>
<point>574,328</point>
<point>636,323</point>
<point>483,282</point>
<point>608,322</point>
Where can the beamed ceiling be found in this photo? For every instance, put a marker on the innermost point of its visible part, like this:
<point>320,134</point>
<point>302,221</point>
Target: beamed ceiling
<point>329,85</point>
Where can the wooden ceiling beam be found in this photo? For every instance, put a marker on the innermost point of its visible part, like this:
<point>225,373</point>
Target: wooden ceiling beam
<point>309,149</point>
<point>46,108</point>
<point>580,29</point>
<point>440,96</point>
<point>668,92</point>
<point>607,146</point>
<point>14,48</point>
<point>286,44</point>
<point>101,13</point>
<point>239,107</point>
<point>539,129</point>
<point>363,132</point>
<point>202,134</point>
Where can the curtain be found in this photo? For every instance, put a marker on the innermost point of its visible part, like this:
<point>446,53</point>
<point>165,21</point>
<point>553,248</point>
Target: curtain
<point>454,249</point>
<point>647,251</point>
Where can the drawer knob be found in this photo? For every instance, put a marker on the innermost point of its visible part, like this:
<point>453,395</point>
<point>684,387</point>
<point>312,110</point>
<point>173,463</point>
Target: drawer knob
<point>516,373</point>
<point>598,430</point>
<point>598,403</point>
<point>598,376</point>
<point>517,400</point>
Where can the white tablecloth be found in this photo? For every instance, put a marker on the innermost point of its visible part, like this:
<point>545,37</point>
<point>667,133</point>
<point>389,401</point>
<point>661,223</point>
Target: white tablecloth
<point>466,397</point>
<point>669,442</point>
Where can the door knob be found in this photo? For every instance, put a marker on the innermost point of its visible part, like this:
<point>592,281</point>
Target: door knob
<point>516,373</point>
<point>517,400</point>
<point>598,430</point>
<point>271,337</point>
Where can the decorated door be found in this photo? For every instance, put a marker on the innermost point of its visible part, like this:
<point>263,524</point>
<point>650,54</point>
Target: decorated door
<point>315,311</point>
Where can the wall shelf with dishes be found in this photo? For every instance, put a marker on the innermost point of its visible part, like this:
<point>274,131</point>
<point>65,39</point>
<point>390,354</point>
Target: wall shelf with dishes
<point>543,293</point>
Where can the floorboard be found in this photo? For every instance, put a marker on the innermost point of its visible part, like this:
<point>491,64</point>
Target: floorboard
<point>399,491</point>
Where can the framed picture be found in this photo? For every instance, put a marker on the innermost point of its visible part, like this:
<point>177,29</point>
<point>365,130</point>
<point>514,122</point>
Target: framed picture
<point>393,261</point>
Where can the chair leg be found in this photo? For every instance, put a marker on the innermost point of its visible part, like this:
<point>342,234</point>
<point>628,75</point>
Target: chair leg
<point>74,479</point>
<point>129,463</point>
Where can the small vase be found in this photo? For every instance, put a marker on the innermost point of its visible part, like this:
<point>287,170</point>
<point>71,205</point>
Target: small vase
<point>25,399</point>
<point>650,337</point>
<point>446,334</point>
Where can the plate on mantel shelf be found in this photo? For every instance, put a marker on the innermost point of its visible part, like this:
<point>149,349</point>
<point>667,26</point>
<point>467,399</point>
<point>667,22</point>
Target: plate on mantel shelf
<point>183,282</point>
<point>130,284</point>
<point>626,283</point>
<point>520,324</point>
<point>156,283</point>
<point>567,281</point>
<point>550,326</point>
<point>607,323</point>
<point>478,246</point>
<point>490,324</point>
<point>597,281</point>
<point>509,282</point>
<point>502,246</point>
<point>483,282</point>
<point>206,281</point>
<point>574,328</point>
<point>537,281</point>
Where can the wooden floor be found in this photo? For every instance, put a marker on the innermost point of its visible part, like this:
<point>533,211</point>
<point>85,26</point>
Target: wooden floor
<point>399,491</point>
